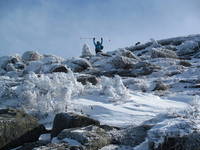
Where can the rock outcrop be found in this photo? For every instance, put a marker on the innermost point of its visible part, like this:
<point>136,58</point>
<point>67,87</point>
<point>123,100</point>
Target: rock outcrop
<point>70,120</point>
<point>91,137</point>
<point>17,127</point>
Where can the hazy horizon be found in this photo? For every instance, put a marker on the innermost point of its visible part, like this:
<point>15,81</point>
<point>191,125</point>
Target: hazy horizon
<point>56,26</point>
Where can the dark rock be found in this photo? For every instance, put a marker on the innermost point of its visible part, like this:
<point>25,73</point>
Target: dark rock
<point>84,79</point>
<point>19,66</point>
<point>92,137</point>
<point>17,128</point>
<point>51,146</point>
<point>170,74</point>
<point>160,86</point>
<point>59,68</point>
<point>195,86</point>
<point>30,146</point>
<point>70,120</point>
<point>187,142</point>
<point>185,63</point>
<point>132,136</point>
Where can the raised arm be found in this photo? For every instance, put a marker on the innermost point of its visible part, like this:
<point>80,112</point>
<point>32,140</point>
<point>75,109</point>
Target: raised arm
<point>94,41</point>
<point>101,41</point>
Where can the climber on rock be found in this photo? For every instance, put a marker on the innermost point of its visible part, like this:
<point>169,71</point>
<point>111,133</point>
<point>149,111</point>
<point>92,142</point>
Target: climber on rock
<point>98,46</point>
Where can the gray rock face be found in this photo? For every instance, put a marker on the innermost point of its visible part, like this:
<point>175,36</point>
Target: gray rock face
<point>70,120</point>
<point>188,142</point>
<point>16,128</point>
<point>31,56</point>
<point>92,137</point>
<point>132,136</point>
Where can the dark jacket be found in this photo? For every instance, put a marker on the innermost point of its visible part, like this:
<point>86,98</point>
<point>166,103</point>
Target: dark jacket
<point>98,45</point>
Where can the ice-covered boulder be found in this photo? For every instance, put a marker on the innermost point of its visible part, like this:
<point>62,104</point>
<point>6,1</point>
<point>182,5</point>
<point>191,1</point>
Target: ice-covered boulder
<point>78,64</point>
<point>125,53</point>
<point>92,137</point>
<point>163,53</point>
<point>4,60</point>
<point>186,142</point>
<point>131,136</point>
<point>51,59</point>
<point>86,51</point>
<point>70,120</point>
<point>10,67</point>
<point>188,47</point>
<point>155,43</point>
<point>34,66</point>
<point>174,128</point>
<point>122,62</point>
<point>17,127</point>
<point>31,56</point>
<point>160,86</point>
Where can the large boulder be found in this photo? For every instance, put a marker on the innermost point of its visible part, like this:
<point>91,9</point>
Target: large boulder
<point>173,134</point>
<point>160,86</point>
<point>187,142</point>
<point>122,62</point>
<point>70,120</point>
<point>31,56</point>
<point>131,136</point>
<point>59,68</point>
<point>86,78</point>
<point>188,48</point>
<point>143,68</point>
<point>78,64</point>
<point>92,137</point>
<point>17,127</point>
<point>163,53</point>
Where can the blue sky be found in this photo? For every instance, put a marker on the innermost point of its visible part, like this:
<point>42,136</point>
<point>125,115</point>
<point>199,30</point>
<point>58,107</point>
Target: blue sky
<point>56,26</point>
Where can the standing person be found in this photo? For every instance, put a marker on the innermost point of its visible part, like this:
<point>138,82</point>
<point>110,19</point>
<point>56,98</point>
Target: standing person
<point>98,45</point>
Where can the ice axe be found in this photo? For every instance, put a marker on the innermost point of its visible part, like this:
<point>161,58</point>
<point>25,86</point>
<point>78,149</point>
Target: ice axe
<point>90,38</point>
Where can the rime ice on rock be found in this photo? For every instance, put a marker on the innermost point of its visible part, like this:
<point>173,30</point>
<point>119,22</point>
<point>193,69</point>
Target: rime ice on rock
<point>86,51</point>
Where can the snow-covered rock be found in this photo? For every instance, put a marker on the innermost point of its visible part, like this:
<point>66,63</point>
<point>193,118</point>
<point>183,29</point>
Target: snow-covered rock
<point>86,51</point>
<point>78,64</point>
<point>188,47</point>
<point>164,53</point>
<point>92,137</point>
<point>31,56</point>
